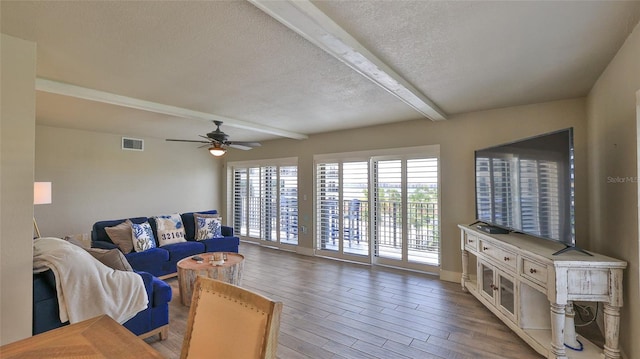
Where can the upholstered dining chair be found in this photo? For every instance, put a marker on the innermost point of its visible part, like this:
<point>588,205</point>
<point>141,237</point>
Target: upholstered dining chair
<point>226,321</point>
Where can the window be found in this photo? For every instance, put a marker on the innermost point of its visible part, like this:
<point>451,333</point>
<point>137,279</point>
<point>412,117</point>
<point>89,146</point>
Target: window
<point>265,201</point>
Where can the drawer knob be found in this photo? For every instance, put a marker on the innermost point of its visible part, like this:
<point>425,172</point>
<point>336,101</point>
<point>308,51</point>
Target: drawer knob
<point>532,271</point>
<point>506,259</point>
<point>485,248</point>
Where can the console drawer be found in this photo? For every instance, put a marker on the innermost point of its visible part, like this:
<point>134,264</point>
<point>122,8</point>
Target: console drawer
<point>510,259</point>
<point>534,271</point>
<point>499,254</point>
<point>471,243</point>
<point>490,250</point>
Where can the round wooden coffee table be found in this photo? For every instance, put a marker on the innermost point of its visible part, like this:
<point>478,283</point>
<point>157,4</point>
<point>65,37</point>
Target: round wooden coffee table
<point>188,270</point>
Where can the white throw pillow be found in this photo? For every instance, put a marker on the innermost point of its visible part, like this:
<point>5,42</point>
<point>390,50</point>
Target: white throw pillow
<point>170,229</point>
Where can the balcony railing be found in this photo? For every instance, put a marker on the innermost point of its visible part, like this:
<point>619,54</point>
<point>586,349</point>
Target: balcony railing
<point>422,224</point>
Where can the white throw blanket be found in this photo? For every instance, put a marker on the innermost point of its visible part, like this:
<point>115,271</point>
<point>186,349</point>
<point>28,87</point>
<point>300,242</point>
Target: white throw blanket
<point>86,287</point>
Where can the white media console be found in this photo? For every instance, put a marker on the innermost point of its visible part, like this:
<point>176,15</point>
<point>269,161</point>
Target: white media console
<point>520,280</point>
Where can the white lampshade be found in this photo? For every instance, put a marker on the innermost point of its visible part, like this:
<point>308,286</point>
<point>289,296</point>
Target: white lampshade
<point>41,192</point>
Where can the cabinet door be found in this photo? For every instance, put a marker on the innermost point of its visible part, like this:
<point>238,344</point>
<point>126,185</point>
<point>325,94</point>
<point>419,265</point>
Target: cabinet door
<point>506,295</point>
<point>486,280</point>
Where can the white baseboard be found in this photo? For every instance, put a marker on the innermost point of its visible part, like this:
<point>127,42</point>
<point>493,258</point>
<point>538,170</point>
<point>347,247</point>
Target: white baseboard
<point>305,251</point>
<point>450,276</point>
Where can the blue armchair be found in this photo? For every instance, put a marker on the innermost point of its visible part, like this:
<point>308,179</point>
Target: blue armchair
<point>153,320</point>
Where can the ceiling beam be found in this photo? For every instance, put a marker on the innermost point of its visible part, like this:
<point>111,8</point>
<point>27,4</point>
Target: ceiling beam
<point>65,89</point>
<point>308,21</point>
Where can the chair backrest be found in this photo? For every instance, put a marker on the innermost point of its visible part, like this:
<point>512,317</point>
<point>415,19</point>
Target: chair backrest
<point>226,321</point>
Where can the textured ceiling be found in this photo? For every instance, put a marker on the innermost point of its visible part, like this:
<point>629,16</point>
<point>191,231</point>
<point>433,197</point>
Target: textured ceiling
<point>231,59</point>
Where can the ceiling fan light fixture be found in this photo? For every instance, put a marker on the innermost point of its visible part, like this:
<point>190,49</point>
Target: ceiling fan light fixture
<point>217,150</point>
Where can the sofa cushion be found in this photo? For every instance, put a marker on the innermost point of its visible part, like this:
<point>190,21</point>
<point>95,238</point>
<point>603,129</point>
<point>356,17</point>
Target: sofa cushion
<point>98,233</point>
<point>120,235</point>
<point>142,237</point>
<point>150,260</point>
<point>44,285</point>
<point>224,244</point>
<point>177,251</point>
<point>169,229</point>
<point>208,227</point>
<point>46,312</point>
<point>190,225</point>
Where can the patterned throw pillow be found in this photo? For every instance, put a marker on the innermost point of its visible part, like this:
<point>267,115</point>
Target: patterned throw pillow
<point>208,227</point>
<point>142,237</point>
<point>170,229</point>
<point>202,215</point>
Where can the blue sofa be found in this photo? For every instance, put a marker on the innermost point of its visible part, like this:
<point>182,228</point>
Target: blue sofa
<point>151,321</point>
<point>161,261</point>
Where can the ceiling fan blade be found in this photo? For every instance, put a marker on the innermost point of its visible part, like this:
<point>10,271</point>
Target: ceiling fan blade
<point>197,141</point>
<point>246,144</point>
<point>217,138</point>
<point>240,146</point>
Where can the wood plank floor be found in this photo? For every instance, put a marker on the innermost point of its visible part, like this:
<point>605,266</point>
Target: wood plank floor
<point>335,309</point>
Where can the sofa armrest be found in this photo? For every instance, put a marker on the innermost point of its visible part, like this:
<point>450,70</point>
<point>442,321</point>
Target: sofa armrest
<point>103,245</point>
<point>157,290</point>
<point>226,231</point>
<point>147,278</point>
<point>161,291</point>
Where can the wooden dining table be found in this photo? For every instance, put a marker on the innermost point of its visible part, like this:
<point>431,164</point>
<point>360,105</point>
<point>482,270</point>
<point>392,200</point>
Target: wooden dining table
<point>95,338</point>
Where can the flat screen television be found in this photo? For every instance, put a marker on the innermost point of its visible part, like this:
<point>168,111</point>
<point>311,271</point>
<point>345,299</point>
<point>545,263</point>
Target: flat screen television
<point>527,186</point>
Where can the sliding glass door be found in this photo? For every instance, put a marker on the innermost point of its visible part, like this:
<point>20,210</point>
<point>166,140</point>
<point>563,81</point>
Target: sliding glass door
<point>265,202</point>
<point>342,209</point>
<point>379,209</point>
<point>406,231</point>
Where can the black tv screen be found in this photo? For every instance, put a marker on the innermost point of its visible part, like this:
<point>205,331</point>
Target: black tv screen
<point>528,186</point>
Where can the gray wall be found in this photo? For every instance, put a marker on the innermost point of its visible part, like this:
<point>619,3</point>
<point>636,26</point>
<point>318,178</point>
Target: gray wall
<point>94,179</point>
<point>613,177</point>
<point>458,138</point>
<point>17,124</point>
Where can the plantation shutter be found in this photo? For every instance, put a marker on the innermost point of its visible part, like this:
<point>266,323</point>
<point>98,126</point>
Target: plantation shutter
<point>240,201</point>
<point>265,201</point>
<point>289,204</point>
<point>269,196</point>
<point>503,196</point>
<point>327,197</point>
<point>484,204</point>
<point>422,204</point>
<point>539,181</point>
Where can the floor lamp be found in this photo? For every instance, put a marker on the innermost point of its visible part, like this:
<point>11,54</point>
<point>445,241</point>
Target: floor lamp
<point>41,195</point>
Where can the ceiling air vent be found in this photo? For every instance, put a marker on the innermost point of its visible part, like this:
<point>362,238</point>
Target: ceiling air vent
<point>132,144</point>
